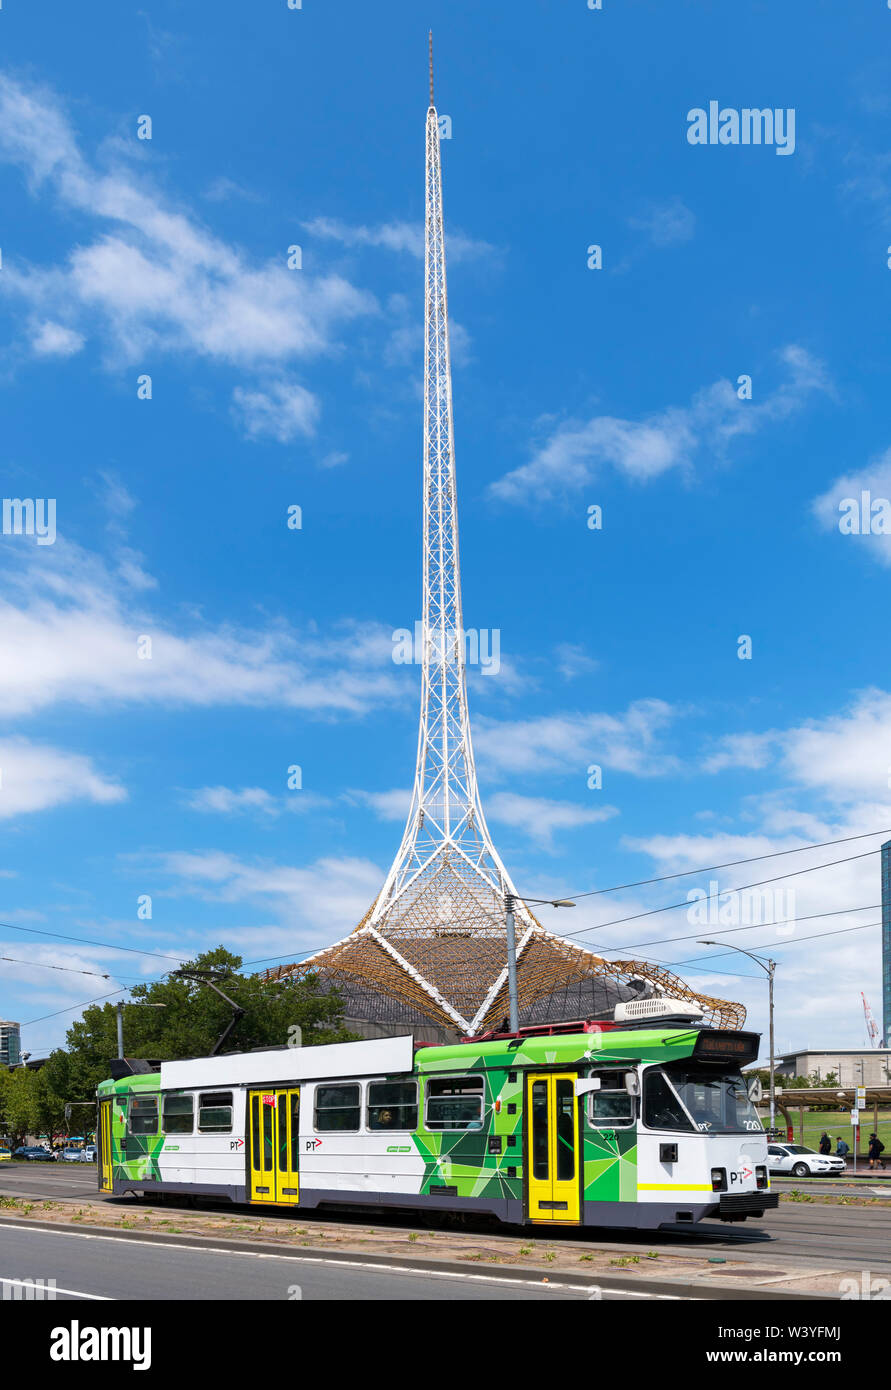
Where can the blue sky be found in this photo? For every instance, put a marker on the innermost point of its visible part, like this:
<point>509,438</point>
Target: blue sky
<point>275,387</point>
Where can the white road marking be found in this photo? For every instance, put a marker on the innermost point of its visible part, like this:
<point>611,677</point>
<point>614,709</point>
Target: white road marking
<point>349,1264</point>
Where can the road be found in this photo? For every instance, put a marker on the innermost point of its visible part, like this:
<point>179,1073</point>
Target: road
<point>797,1235</point>
<point>98,1268</point>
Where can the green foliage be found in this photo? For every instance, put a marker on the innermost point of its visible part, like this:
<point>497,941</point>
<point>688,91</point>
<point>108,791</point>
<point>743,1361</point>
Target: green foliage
<point>194,1016</point>
<point>18,1104</point>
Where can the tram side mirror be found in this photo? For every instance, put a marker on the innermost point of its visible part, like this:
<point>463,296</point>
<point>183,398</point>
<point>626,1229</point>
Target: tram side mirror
<point>756,1090</point>
<point>632,1083</point>
<point>585,1084</point>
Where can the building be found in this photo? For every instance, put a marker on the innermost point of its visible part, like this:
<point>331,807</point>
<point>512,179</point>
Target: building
<point>852,1066</point>
<point>886,940</point>
<point>431,953</point>
<point>10,1044</point>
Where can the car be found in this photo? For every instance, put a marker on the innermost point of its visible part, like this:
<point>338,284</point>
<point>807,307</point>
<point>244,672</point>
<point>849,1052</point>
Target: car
<point>33,1153</point>
<point>73,1155</point>
<point>802,1162</point>
<point>5,1153</point>
<point>90,1153</point>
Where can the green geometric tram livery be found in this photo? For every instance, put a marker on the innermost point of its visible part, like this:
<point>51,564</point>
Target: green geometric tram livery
<point>604,1125</point>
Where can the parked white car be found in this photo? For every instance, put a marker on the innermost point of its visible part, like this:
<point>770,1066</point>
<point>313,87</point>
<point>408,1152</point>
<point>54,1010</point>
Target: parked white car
<point>73,1155</point>
<point>802,1162</point>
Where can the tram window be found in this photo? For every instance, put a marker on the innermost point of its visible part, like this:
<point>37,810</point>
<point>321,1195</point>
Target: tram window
<point>662,1109</point>
<point>143,1118</point>
<point>455,1102</point>
<point>611,1107</point>
<point>178,1112</point>
<point>539,1121</point>
<point>295,1131</point>
<point>337,1108</point>
<point>564,1112</point>
<point>215,1112</point>
<point>392,1105</point>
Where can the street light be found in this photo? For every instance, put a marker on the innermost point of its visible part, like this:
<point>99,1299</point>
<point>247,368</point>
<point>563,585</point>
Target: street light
<point>769,966</point>
<point>513,1002</point>
<point>133,1004</point>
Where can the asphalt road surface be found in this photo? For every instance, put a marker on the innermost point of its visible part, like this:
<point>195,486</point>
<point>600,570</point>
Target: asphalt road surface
<point>797,1235</point>
<point>99,1268</point>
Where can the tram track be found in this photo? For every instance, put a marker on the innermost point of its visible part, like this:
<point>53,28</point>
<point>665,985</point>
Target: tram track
<point>797,1236</point>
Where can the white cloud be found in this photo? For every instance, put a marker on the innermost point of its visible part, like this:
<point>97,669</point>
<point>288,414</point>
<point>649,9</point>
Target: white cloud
<point>153,278</point>
<point>740,750</point>
<point>316,904</point>
<point>227,801</point>
<point>667,224</point>
<point>283,410</point>
<point>847,756</point>
<point>573,661</point>
<point>568,743</point>
<point>55,340</point>
<point>390,805</point>
<point>35,777</point>
<point>673,438</point>
<point>405,237</point>
<point>872,521</point>
<point>540,818</point>
<point>69,630</point>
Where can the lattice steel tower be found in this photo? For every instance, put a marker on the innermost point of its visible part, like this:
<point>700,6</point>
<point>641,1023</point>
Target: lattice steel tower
<point>433,947</point>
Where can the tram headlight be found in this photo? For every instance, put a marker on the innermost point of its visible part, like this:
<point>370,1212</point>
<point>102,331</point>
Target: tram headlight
<point>719,1180</point>
<point>760,1175</point>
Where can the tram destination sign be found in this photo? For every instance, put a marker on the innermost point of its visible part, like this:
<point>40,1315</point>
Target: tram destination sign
<point>720,1045</point>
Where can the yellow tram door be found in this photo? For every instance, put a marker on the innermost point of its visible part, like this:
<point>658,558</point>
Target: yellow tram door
<point>552,1154</point>
<point>105,1168</point>
<point>274,1128</point>
<point>288,1134</point>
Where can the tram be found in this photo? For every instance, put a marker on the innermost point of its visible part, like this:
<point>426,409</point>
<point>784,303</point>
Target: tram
<point>639,1122</point>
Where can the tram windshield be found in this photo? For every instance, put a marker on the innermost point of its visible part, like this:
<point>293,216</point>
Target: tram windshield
<point>717,1102</point>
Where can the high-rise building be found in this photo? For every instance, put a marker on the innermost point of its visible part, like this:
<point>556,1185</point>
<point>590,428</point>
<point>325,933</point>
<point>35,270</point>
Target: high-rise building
<point>10,1044</point>
<point>886,941</point>
<point>431,952</point>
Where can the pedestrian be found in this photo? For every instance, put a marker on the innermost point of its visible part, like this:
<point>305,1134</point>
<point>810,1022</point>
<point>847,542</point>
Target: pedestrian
<point>876,1149</point>
<point>825,1143</point>
<point>841,1148</point>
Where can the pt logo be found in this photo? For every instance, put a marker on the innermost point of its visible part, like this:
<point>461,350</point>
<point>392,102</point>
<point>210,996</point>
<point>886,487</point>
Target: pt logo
<point>741,1176</point>
<point>312,1144</point>
<point>236,1144</point>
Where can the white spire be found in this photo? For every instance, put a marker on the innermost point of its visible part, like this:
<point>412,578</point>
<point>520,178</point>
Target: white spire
<point>446,838</point>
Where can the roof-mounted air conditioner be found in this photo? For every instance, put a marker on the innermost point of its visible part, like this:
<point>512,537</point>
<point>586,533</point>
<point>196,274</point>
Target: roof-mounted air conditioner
<point>635,1010</point>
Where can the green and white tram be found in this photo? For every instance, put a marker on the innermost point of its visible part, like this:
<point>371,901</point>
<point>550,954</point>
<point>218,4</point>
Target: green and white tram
<point>640,1122</point>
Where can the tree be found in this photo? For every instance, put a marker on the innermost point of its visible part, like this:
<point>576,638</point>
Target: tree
<point>194,1016</point>
<point>18,1088</point>
<point>53,1094</point>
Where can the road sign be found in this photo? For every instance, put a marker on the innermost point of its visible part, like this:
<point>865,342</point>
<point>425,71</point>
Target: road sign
<point>861,1097</point>
<point>855,1117</point>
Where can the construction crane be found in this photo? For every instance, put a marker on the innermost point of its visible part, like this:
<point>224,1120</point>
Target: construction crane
<point>875,1038</point>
